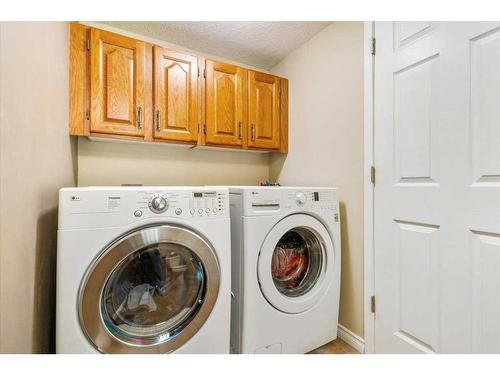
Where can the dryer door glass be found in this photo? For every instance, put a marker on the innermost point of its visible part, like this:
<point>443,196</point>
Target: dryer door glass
<point>296,262</point>
<point>153,293</point>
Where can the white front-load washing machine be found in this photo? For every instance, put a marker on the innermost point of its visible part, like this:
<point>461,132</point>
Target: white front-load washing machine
<point>143,270</point>
<point>285,268</point>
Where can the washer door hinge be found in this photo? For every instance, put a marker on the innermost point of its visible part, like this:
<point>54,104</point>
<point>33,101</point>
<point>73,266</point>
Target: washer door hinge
<point>372,174</point>
<point>372,304</point>
<point>374,46</point>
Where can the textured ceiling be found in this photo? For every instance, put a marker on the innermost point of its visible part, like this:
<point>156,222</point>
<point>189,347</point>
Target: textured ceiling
<point>259,44</point>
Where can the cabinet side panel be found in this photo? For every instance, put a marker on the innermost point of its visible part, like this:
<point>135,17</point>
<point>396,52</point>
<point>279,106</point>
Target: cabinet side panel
<point>78,79</point>
<point>284,116</point>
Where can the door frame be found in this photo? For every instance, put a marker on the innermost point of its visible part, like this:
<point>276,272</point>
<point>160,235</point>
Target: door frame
<point>369,186</point>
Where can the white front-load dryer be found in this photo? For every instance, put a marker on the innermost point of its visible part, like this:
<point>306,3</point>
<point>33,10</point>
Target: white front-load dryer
<point>286,268</point>
<point>143,270</point>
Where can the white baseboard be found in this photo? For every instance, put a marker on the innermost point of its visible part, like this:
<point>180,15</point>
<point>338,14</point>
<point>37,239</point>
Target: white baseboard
<point>351,338</point>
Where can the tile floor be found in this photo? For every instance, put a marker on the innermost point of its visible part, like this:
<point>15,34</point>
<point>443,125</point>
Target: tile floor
<point>335,347</point>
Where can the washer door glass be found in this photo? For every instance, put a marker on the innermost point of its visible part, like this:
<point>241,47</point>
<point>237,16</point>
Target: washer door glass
<point>296,262</point>
<point>153,293</point>
<point>149,291</point>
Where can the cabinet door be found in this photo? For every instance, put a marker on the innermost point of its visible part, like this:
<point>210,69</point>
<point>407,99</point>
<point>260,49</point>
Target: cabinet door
<point>117,84</point>
<point>224,104</point>
<point>176,96</point>
<point>263,110</point>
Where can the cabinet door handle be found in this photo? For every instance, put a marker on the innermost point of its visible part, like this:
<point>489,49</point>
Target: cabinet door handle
<point>252,128</point>
<point>239,130</point>
<point>158,120</point>
<point>139,118</point>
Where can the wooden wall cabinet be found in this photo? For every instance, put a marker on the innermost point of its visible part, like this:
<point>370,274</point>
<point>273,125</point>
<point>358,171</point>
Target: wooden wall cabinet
<point>224,104</point>
<point>125,88</point>
<point>263,110</point>
<point>176,96</point>
<point>117,83</point>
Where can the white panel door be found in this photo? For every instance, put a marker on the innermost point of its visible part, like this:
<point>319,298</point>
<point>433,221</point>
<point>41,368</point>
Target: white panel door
<point>437,193</point>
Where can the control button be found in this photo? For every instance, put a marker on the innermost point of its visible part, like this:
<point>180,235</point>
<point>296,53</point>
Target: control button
<point>207,210</point>
<point>300,197</point>
<point>178,211</point>
<point>158,204</point>
<point>193,211</point>
<point>137,213</point>
<point>200,211</point>
<point>215,210</point>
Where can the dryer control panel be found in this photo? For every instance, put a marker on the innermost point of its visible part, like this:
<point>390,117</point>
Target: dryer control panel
<point>282,200</point>
<point>318,199</point>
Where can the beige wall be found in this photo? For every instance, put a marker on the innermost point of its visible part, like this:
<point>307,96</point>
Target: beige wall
<point>326,141</point>
<point>36,159</point>
<point>108,163</point>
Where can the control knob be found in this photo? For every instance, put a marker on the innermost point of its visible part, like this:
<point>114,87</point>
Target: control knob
<point>158,204</point>
<point>300,198</point>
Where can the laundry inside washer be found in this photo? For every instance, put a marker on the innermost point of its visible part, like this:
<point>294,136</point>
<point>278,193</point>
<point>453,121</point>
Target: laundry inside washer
<point>153,289</point>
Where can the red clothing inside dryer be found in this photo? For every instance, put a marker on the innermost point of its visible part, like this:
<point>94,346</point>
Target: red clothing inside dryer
<point>289,265</point>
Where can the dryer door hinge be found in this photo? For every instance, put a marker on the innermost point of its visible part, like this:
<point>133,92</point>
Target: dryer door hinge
<point>372,304</point>
<point>374,46</point>
<point>372,174</point>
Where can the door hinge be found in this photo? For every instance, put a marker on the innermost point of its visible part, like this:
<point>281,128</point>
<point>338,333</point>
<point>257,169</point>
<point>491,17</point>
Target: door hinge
<point>204,129</point>
<point>87,114</point>
<point>198,71</point>
<point>204,73</point>
<point>372,304</point>
<point>88,44</point>
<point>374,46</point>
<point>372,174</point>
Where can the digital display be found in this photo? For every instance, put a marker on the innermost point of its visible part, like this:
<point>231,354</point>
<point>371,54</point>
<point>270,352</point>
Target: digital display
<point>198,195</point>
<point>316,196</point>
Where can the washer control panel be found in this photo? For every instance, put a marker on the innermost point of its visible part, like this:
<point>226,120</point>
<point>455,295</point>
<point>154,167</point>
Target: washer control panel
<point>206,203</point>
<point>193,204</point>
<point>90,207</point>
